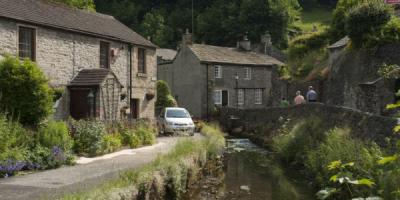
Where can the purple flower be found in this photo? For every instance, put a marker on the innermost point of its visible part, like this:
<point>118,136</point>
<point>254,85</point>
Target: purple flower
<point>10,167</point>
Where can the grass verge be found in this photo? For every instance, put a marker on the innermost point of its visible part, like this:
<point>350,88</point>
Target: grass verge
<point>168,176</point>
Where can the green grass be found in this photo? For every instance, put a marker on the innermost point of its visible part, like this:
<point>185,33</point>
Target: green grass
<point>170,167</point>
<point>319,16</point>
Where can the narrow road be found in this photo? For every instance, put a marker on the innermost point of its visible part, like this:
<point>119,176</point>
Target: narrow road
<point>54,183</point>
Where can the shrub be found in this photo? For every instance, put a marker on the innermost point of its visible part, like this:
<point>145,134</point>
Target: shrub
<point>47,158</point>
<point>365,20</point>
<point>303,138</point>
<point>391,31</point>
<point>54,134</point>
<point>164,97</point>
<point>88,136</point>
<point>142,134</point>
<point>304,44</point>
<point>111,143</point>
<point>340,146</point>
<point>337,30</point>
<point>24,91</point>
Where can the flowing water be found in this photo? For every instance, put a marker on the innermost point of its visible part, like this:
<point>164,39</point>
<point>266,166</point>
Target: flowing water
<point>249,173</point>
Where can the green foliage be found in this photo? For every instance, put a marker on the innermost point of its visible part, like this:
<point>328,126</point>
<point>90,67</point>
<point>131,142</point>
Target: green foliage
<point>111,143</point>
<point>302,139</point>
<point>88,136</point>
<point>365,20</point>
<point>81,4</point>
<point>304,44</point>
<point>139,136</point>
<point>164,97</point>
<point>24,91</point>
<point>391,31</point>
<point>57,93</point>
<point>165,22</point>
<point>338,26</point>
<point>55,134</point>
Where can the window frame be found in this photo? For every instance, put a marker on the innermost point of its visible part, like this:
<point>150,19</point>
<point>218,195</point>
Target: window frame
<point>219,92</point>
<point>107,56</point>
<point>258,96</point>
<point>141,61</point>
<point>248,73</point>
<point>217,71</point>
<point>34,42</point>
<point>240,96</point>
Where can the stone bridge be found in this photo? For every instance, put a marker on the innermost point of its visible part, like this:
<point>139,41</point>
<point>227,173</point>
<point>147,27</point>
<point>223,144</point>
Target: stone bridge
<point>260,124</point>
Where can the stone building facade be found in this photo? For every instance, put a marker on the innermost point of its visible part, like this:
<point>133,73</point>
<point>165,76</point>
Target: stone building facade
<point>66,45</point>
<point>204,78</point>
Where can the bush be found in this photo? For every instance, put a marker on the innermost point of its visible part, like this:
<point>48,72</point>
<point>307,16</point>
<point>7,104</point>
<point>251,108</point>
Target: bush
<point>337,30</point>
<point>164,97</point>
<point>138,136</point>
<point>48,158</point>
<point>304,44</point>
<point>340,146</point>
<point>88,136</point>
<point>111,143</point>
<point>55,134</point>
<point>303,138</point>
<point>24,91</point>
<point>365,20</point>
<point>391,31</point>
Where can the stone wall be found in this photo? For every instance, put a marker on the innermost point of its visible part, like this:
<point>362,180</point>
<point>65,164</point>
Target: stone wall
<point>62,54</point>
<point>261,124</point>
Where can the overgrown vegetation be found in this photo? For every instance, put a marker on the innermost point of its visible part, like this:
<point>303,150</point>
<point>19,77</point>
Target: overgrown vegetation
<point>24,91</point>
<point>168,176</point>
<point>344,166</point>
<point>164,97</point>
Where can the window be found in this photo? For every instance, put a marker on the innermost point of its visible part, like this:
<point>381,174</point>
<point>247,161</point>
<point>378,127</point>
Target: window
<point>258,93</point>
<point>217,97</point>
<point>105,55</point>
<point>26,43</point>
<point>218,71</point>
<point>247,75</point>
<point>142,61</point>
<point>240,100</point>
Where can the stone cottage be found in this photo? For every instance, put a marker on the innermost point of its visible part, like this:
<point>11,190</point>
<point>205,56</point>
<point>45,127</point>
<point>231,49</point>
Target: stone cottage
<point>108,71</point>
<point>204,77</point>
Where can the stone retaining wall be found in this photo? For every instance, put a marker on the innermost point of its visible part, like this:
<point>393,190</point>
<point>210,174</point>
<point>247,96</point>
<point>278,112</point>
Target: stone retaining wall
<point>261,124</point>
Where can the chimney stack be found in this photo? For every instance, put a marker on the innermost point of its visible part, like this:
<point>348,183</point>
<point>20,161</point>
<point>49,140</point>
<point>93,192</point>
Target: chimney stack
<point>244,44</point>
<point>187,38</point>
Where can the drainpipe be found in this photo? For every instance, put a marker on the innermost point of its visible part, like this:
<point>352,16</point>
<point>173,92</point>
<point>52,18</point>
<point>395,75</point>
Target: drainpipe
<point>208,114</point>
<point>130,81</point>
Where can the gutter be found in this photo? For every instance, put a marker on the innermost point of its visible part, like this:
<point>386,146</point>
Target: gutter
<point>130,80</point>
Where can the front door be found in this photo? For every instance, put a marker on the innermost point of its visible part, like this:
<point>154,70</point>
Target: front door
<point>80,107</point>
<point>134,108</point>
<point>225,98</point>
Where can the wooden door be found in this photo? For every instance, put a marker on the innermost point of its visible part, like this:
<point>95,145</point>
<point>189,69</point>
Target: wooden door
<point>79,108</point>
<point>225,98</point>
<point>134,108</point>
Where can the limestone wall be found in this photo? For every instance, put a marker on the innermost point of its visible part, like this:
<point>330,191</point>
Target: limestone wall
<point>261,124</point>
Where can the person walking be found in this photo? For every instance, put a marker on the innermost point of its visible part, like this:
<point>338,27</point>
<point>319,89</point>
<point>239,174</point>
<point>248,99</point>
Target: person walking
<point>311,94</point>
<point>299,99</point>
<point>284,103</point>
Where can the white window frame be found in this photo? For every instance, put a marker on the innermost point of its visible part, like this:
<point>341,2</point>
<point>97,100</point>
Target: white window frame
<point>218,101</point>
<point>240,96</point>
<point>247,73</point>
<point>258,96</point>
<point>218,71</point>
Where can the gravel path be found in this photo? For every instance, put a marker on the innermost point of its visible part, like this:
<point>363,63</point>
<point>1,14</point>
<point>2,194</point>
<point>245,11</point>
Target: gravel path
<point>53,183</point>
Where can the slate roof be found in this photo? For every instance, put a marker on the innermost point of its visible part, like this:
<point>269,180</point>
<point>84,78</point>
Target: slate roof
<point>91,77</point>
<point>53,15</point>
<point>166,54</point>
<point>226,55</point>
<point>341,43</point>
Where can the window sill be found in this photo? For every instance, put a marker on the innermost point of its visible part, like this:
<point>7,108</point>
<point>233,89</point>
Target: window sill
<point>142,75</point>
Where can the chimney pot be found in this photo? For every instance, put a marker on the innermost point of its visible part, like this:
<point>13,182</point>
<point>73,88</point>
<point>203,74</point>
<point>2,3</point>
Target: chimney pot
<point>245,44</point>
<point>187,38</point>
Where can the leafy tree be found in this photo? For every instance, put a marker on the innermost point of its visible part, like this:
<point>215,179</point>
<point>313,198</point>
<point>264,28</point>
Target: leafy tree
<point>164,97</point>
<point>24,91</point>
<point>365,20</point>
<point>338,25</point>
<point>81,4</point>
<point>154,26</point>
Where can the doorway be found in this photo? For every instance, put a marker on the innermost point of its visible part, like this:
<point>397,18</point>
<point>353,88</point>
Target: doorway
<point>134,108</point>
<point>82,103</point>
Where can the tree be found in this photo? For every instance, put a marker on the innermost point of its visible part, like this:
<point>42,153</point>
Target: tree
<point>81,4</point>
<point>164,97</point>
<point>337,30</point>
<point>154,26</point>
<point>365,20</point>
<point>24,91</point>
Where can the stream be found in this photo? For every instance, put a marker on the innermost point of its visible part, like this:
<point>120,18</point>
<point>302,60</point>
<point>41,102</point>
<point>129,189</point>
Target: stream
<point>249,173</point>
